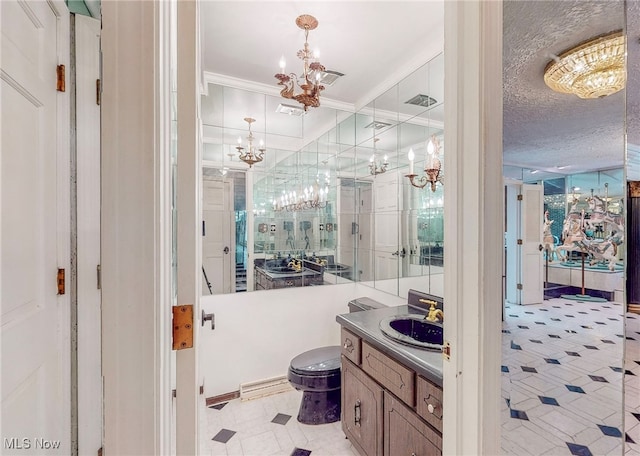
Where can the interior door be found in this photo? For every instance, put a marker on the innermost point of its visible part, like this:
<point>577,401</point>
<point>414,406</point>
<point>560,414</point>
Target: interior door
<point>386,231</point>
<point>531,272</point>
<point>89,370</point>
<point>218,241</point>
<point>34,190</point>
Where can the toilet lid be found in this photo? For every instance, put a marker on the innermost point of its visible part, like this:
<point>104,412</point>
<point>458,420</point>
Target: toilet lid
<point>318,360</point>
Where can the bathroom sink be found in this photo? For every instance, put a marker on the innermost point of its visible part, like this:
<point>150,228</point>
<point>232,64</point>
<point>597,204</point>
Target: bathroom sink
<point>281,269</point>
<point>413,330</point>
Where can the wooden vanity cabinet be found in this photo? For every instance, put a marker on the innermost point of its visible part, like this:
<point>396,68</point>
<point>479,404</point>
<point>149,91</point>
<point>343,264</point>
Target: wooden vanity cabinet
<point>361,410</point>
<point>387,410</point>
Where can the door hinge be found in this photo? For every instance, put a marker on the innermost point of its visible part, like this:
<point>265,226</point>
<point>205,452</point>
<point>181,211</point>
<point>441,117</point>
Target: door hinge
<point>98,91</point>
<point>60,281</point>
<point>519,241</point>
<point>520,197</point>
<point>446,350</point>
<point>519,286</point>
<point>60,82</point>
<point>182,327</point>
<point>99,276</point>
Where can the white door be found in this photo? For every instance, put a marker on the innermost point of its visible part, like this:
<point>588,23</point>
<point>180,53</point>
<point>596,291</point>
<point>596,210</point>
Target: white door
<point>34,190</point>
<point>89,404</point>
<point>386,231</point>
<point>531,214</point>
<point>218,240</point>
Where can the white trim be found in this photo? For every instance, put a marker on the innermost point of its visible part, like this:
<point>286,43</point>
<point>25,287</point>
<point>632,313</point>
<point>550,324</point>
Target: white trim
<point>266,89</point>
<point>188,201</point>
<point>473,227</point>
<point>135,222</point>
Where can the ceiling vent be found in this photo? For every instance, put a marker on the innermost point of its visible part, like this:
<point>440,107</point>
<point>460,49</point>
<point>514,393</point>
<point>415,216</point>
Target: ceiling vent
<point>422,100</point>
<point>328,77</point>
<point>378,125</point>
<point>288,109</point>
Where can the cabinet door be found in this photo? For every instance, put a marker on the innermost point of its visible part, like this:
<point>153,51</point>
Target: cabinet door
<point>405,433</point>
<point>361,410</point>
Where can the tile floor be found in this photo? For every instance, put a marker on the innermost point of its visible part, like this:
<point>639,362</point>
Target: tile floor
<point>268,426</point>
<point>555,403</point>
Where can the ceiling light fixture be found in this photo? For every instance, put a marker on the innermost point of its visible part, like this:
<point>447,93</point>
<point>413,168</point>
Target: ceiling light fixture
<point>250,157</point>
<point>593,69</point>
<point>309,80</point>
<point>432,166</point>
<point>374,166</point>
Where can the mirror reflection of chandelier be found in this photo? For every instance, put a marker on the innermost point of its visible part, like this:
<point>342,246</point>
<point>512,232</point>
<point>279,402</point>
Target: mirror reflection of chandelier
<point>312,71</point>
<point>310,197</point>
<point>432,166</point>
<point>251,156</point>
<point>593,69</point>
<point>375,167</point>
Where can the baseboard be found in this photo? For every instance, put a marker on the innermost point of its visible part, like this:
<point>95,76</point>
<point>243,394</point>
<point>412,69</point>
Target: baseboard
<point>222,398</point>
<point>262,388</point>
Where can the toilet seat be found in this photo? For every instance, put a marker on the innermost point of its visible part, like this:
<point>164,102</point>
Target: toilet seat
<point>319,361</point>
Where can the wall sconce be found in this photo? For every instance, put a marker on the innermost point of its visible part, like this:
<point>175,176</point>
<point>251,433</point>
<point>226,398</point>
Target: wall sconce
<point>432,166</point>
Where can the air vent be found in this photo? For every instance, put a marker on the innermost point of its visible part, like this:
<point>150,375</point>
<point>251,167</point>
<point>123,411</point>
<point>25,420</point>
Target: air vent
<point>329,77</point>
<point>289,109</point>
<point>378,125</point>
<point>422,100</point>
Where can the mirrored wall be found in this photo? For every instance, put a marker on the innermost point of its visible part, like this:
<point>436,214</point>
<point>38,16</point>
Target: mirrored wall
<point>330,202</point>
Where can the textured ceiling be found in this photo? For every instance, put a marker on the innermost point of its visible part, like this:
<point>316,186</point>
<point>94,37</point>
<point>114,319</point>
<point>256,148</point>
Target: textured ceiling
<point>544,129</point>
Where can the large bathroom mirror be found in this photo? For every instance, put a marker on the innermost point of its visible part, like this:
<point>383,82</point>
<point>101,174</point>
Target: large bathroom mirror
<point>330,202</point>
<point>563,339</point>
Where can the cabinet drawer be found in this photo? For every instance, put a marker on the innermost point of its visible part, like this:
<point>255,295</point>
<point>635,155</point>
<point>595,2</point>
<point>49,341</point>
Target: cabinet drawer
<point>350,346</point>
<point>392,375</point>
<point>429,402</point>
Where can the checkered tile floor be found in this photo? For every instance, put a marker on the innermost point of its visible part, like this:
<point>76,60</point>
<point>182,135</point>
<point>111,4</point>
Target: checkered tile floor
<point>562,375</point>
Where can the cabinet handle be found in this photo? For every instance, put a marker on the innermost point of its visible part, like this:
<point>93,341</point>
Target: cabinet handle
<point>356,413</point>
<point>348,345</point>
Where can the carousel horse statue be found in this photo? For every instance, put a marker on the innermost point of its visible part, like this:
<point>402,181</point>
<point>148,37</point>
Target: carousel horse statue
<point>548,241</point>
<point>573,236</point>
<point>600,215</point>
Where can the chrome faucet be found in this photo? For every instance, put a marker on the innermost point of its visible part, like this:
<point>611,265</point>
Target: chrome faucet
<point>434,314</point>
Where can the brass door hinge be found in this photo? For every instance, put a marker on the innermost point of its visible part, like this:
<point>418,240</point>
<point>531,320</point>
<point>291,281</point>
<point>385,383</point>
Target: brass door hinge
<point>520,197</point>
<point>182,327</point>
<point>99,277</point>
<point>446,350</point>
<point>519,241</point>
<point>98,92</point>
<point>519,286</point>
<point>60,83</point>
<point>60,281</point>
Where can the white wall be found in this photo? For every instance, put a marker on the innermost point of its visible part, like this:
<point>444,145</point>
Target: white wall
<point>258,333</point>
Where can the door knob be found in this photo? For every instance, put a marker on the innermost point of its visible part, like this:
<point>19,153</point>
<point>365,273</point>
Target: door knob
<point>226,250</point>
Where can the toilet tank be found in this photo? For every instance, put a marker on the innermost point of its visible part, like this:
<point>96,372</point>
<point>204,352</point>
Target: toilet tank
<point>360,304</point>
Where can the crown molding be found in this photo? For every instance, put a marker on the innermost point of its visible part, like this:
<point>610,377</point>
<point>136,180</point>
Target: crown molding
<point>266,89</point>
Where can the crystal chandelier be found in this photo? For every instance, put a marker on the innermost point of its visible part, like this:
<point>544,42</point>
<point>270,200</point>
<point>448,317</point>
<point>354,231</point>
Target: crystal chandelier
<point>593,69</point>
<point>432,166</point>
<point>309,80</point>
<point>251,156</point>
<point>374,167</point>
